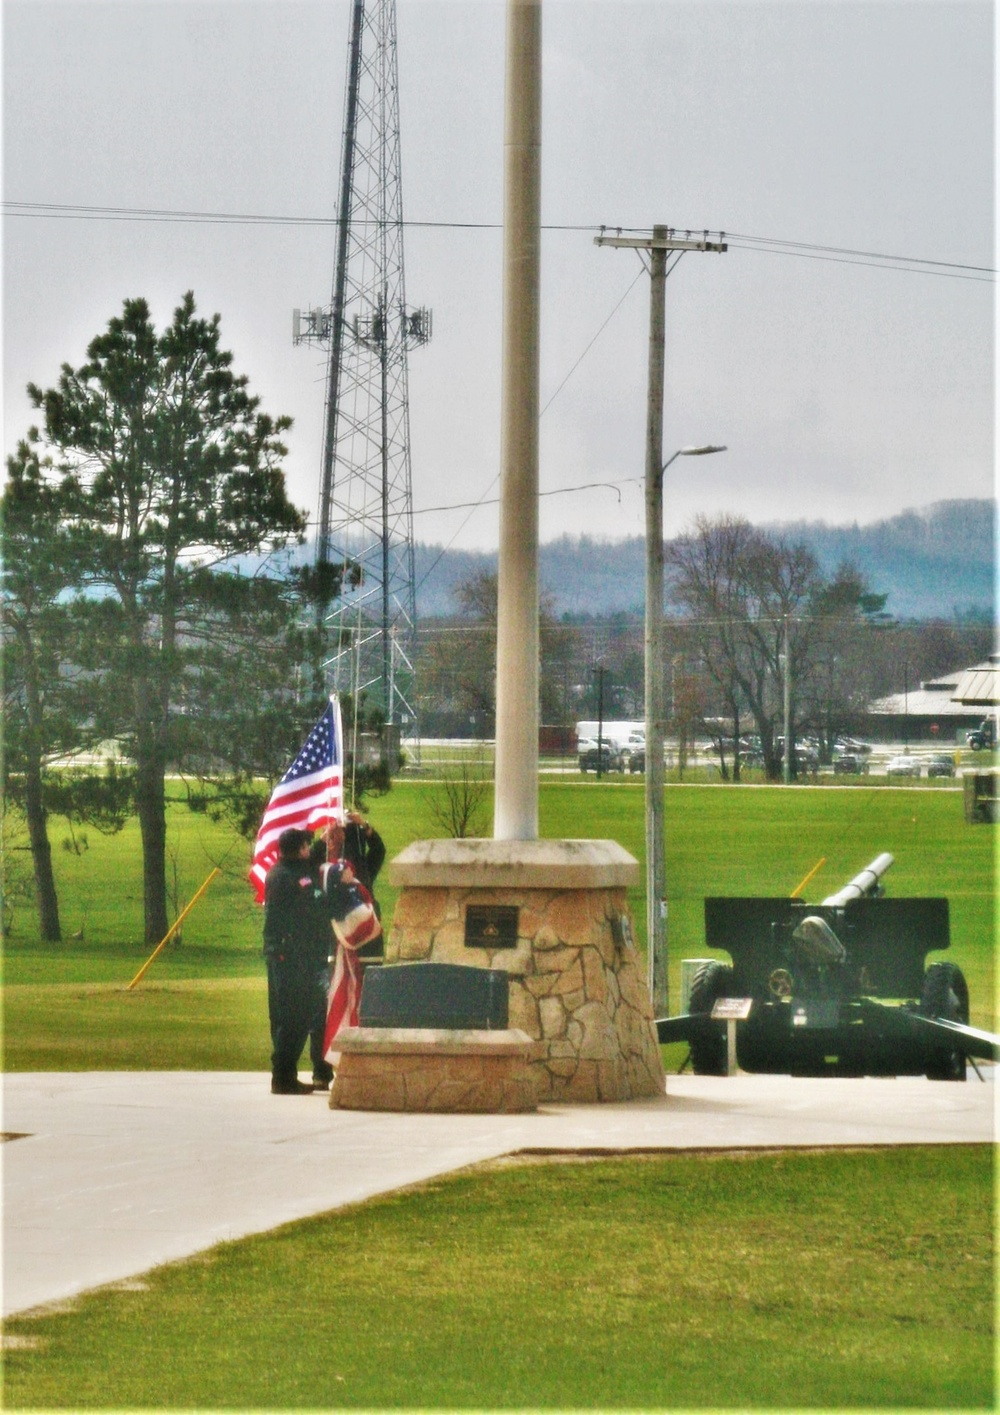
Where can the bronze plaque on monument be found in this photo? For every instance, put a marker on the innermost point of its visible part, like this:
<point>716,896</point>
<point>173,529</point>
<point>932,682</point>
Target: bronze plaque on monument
<point>491,926</point>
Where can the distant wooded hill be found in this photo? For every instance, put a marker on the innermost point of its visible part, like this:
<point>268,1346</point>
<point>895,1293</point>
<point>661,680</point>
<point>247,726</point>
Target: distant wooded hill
<point>937,562</point>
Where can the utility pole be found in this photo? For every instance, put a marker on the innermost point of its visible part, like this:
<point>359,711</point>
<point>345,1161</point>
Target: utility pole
<point>659,245</point>
<point>786,766</point>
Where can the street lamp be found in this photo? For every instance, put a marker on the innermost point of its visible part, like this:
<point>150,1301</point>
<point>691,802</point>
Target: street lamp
<point>656,871</point>
<point>693,452</point>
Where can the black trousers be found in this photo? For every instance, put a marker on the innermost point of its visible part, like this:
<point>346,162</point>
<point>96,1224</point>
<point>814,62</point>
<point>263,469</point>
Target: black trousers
<point>291,1006</point>
<point>321,1068</point>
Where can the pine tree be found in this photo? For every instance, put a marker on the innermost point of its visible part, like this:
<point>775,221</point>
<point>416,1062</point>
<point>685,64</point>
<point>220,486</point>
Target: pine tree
<point>169,472</point>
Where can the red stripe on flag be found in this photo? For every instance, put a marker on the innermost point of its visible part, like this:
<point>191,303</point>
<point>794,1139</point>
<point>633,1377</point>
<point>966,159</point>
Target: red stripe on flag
<point>306,801</point>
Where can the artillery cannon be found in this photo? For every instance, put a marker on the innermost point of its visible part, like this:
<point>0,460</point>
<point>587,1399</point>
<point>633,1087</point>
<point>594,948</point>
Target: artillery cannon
<point>839,988</point>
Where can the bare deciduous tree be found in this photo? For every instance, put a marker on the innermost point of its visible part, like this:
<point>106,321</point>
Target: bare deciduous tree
<point>752,598</point>
<point>459,801</point>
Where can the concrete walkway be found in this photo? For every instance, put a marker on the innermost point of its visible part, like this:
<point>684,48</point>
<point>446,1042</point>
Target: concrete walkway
<point>116,1172</point>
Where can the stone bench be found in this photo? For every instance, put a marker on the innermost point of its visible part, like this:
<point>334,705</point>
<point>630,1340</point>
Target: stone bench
<point>434,1069</point>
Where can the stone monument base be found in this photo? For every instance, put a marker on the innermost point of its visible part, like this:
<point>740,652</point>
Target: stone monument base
<point>419,1069</point>
<point>553,915</point>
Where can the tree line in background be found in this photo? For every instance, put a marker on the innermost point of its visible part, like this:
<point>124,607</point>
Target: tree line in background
<point>739,601</point>
<point>127,618</point>
<point>938,562</point>
<point>154,479</point>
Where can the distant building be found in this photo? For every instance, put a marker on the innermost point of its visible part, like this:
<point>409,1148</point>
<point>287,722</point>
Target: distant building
<point>979,687</point>
<point>943,709</point>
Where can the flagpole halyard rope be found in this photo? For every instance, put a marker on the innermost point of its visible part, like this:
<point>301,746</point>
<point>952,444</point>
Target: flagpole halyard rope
<point>356,664</point>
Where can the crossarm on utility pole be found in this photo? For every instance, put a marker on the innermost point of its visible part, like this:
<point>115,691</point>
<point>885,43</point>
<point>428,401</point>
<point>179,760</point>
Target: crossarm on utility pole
<point>667,242</point>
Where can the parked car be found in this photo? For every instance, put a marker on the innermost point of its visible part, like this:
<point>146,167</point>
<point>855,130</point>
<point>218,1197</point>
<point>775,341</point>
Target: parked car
<point>806,753</point>
<point>850,764</point>
<point>806,757</point>
<point>634,747</point>
<point>610,760</point>
<point>852,746</point>
<point>903,766</point>
<point>941,766</point>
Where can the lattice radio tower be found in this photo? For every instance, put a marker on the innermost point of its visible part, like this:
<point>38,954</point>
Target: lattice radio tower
<point>366,501</point>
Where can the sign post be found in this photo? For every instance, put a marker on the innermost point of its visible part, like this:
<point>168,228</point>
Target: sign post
<point>731,1010</point>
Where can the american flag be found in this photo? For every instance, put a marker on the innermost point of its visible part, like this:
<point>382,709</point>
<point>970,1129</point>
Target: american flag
<point>358,926</point>
<point>309,795</point>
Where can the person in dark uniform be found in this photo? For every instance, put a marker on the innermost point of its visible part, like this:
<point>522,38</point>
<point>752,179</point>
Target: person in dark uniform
<point>296,947</point>
<point>331,884</point>
<point>364,851</point>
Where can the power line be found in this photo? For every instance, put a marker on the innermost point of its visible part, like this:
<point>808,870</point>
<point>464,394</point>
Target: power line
<point>555,491</point>
<point>630,625</point>
<point>986,278</point>
<point>593,341</point>
<point>483,500</point>
<point>486,500</point>
<point>445,548</point>
<point>67,211</point>
<point>844,250</point>
<point>774,245</point>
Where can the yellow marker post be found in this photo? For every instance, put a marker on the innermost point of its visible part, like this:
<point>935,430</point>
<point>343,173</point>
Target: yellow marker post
<point>801,886</point>
<point>171,931</point>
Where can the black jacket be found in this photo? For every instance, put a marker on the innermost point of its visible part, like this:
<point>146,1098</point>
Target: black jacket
<point>365,853</point>
<point>296,914</point>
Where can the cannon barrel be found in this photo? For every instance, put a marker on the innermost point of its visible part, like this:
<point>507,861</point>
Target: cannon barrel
<point>865,883</point>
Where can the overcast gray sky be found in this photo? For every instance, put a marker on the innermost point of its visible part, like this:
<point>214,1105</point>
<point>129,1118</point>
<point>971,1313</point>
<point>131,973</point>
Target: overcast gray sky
<point>845,390</point>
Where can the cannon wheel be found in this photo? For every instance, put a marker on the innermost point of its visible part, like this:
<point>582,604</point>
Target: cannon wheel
<point>708,1052</point>
<point>946,995</point>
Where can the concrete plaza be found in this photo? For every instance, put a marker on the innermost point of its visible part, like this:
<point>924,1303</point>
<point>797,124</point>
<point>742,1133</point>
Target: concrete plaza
<point>107,1174</point>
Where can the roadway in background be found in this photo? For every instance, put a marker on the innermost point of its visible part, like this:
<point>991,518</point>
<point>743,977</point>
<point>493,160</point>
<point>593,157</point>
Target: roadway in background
<point>437,754</point>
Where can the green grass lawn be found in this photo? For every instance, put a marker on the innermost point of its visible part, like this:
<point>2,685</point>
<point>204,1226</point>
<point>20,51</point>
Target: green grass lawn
<point>844,1279</point>
<point>839,1280</point>
<point>202,1004</point>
